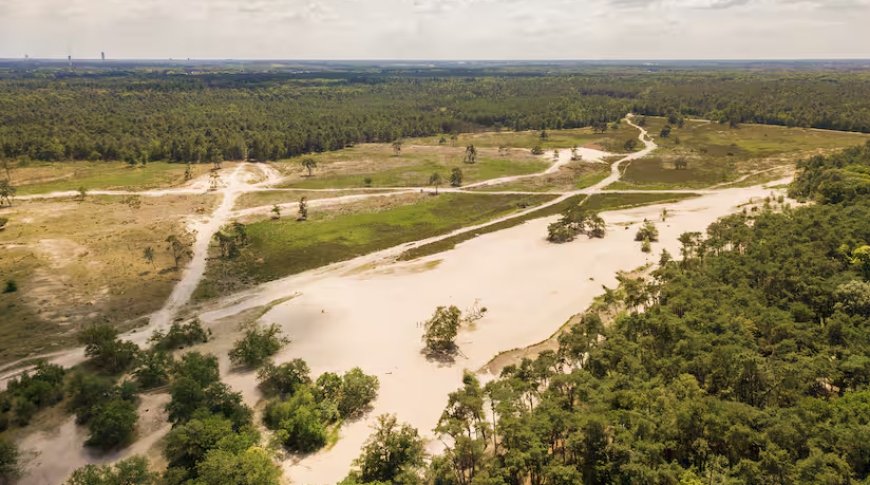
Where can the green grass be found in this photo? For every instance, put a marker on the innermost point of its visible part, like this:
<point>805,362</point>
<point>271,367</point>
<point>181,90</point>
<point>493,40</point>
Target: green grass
<point>62,176</point>
<point>285,247</point>
<point>574,176</point>
<point>611,140</point>
<point>351,167</point>
<point>718,154</point>
<point>597,202</point>
<point>271,197</point>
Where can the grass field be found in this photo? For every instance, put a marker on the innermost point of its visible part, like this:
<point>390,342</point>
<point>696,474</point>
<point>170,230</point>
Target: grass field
<point>40,178</point>
<point>349,168</point>
<point>572,176</point>
<point>716,154</point>
<point>285,247</point>
<point>80,262</point>
<point>596,202</point>
<point>611,140</point>
<point>271,197</point>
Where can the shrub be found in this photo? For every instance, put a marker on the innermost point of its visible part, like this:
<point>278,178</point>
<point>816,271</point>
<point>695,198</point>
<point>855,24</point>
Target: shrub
<point>180,336</point>
<point>358,390</point>
<point>284,379</point>
<point>11,286</point>
<point>441,330</point>
<point>393,450</point>
<point>253,466</point>
<point>105,350</point>
<point>152,369</point>
<point>112,424</point>
<point>647,232</point>
<point>257,345</point>
<point>27,394</point>
<point>133,470</point>
<point>8,461</point>
<point>297,422</point>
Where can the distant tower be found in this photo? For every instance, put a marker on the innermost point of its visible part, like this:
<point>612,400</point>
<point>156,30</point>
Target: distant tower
<point>69,61</point>
<point>27,56</point>
<point>103,55</point>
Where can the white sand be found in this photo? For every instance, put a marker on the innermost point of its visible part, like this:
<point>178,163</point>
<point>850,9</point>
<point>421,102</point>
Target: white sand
<point>371,319</point>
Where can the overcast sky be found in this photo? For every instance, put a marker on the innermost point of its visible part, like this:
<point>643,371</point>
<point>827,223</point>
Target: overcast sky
<point>436,29</point>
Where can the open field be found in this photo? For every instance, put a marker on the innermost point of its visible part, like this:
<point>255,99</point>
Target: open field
<point>575,175</point>
<point>43,177</point>
<point>80,262</point>
<point>350,167</point>
<point>612,140</point>
<point>716,154</point>
<point>284,247</point>
<point>271,197</point>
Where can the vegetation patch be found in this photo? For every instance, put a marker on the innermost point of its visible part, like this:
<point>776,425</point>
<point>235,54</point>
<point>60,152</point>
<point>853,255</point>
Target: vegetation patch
<point>278,248</point>
<point>698,153</point>
<point>44,177</point>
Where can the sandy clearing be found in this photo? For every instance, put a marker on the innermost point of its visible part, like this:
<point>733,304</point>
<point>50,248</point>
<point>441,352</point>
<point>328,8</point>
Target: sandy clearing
<point>371,319</point>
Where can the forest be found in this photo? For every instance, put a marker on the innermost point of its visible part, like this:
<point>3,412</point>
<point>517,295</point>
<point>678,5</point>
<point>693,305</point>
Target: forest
<point>141,116</point>
<point>745,361</point>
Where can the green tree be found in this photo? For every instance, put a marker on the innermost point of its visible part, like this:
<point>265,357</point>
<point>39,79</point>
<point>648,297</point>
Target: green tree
<point>297,422</point>
<point>284,379</point>
<point>253,466</point>
<point>112,424</point>
<point>8,461</point>
<point>441,329</point>
<point>105,349</point>
<point>130,471</point>
<point>178,248</point>
<point>470,154</point>
<point>666,131</point>
<point>647,232</point>
<point>258,343</point>
<point>397,147</point>
<point>7,192</point>
<point>358,390</point>
<point>303,209</point>
<point>393,450</point>
<point>309,164</point>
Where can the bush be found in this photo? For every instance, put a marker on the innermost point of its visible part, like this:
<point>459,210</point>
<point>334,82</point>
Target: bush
<point>647,232</point>
<point>132,471</point>
<point>27,394</point>
<point>152,369</point>
<point>11,286</point>
<point>284,379</point>
<point>180,336</point>
<point>441,330</point>
<point>8,461</point>
<point>257,345</point>
<point>358,390</point>
<point>297,422</point>
<point>392,451</point>
<point>201,368</point>
<point>112,424</point>
<point>253,466</point>
<point>105,350</point>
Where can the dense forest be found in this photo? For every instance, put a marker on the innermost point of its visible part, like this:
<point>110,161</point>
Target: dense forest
<point>747,361</point>
<point>141,116</point>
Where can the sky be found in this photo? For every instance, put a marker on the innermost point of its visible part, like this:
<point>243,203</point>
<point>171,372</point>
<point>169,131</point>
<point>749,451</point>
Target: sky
<point>436,29</point>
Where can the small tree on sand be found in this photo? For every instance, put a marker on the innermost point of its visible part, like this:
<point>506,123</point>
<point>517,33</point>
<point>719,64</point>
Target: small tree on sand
<point>309,164</point>
<point>456,177</point>
<point>397,147</point>
<point>276,212</point>
<point>441,330</point>
<point>470,154</point>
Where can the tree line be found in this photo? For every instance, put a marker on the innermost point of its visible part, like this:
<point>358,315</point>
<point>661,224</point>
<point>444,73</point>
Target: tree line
<point>138,117</point>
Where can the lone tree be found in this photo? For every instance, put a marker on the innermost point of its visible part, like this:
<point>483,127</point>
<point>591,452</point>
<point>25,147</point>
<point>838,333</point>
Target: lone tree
<point>392,452</point>
<point>82,193</point>
<point>630,144</point>
<point>666,131</point>
<point>3,222</point>
<point>537,150</point>
<point>681,163</point>
<point>647,232</point>
<point>214,180</point>
<point>573,222</point>
<point>435,180</point>
<point>441,330</point>
<point>178,249</point>
<point>303,209</point>
<point>456,177</point>
<point>309,164</point>
<point>470,154</point>
<point>397,147</point>
<point>7,192</point>
<point>276,212</point>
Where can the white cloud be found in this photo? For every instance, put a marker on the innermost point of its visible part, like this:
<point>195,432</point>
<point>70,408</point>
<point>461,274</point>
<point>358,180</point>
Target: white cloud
<point>452,29</point>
